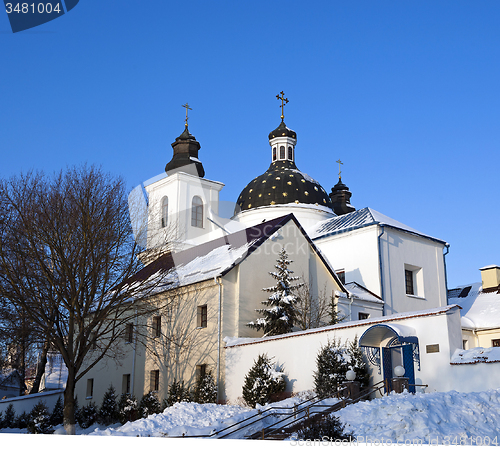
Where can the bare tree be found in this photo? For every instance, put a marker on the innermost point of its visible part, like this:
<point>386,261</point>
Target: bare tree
<point>66,246</point>
<point>314,310</point>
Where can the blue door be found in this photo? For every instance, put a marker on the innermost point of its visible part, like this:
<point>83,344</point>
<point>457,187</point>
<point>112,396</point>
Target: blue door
<point>408,365</point>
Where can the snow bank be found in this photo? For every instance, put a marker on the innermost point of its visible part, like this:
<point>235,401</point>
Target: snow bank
<point>476,355</point>
<point>439,417</point>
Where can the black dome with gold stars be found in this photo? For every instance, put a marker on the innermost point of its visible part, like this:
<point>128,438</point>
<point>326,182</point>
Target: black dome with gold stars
<point>281,184</point>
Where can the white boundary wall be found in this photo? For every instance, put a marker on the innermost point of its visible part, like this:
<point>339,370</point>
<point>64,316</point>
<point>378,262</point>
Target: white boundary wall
<point>296,353</point>
<point>26,403</point>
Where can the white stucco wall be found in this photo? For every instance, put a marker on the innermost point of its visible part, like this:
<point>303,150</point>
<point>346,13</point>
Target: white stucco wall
<point>296,353</point>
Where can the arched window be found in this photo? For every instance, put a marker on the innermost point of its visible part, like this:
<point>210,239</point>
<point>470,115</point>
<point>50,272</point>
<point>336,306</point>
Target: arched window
<point>164,212</point>
<point>282,152</point>
<point>274,153</point>
<point>290,153</point>
<point>197,212</point>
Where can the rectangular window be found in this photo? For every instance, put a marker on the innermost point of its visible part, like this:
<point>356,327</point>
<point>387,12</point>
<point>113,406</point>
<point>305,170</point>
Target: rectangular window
<point>154,380</point>
<point>126,384</point>
<point>202,316</point>
<point>157,326</point>
<point>201,371</point>
<point>495,343</point>
<point>90,388</point>
<point>129,332</point>
<point>465,344</point>
<point>341,275</point>
<point>409,282</point>
<point>363,316</point>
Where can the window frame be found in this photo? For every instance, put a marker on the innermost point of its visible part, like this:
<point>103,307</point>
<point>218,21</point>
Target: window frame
<point>164,212</point>
<point>90,388</point>
<point>409,282</point>
<point>202,316</point>
<point>495,342</point>
<point>282,152</point>
<point>129,333</point>
<point>126,383</point>
<point>197,212</point>
<point>154,380</point>
<point>365,314</point>
<point>156,326</point>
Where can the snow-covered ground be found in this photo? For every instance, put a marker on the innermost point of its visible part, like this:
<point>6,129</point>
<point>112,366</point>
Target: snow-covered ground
<point>434,418</point>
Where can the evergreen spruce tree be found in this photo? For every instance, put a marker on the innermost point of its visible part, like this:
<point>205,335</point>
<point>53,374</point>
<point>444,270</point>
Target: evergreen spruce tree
<point>56,418</point>
<point>262,381</point>
<point>108,413</point>
<point>329,427</point>
<point>1,419</point>
<point>9,417</point>
<point>128,409</point>
<point>331,369</point>
<point>39,420</point>
<point>177,393</point>
<point>206,390</point>
<point>279,317</point>
<point>149,405</point>
<point>22,420</point>
<point>77,411</point>
<point>88,415</point>
<point>357,363</point>
<point>335,317</point>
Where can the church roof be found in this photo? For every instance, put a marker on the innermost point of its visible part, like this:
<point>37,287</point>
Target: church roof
<point>282,130</point>
<point>214,258</point>
<point>282,184</point>
<point>360,219</point>
<point>360,292</point>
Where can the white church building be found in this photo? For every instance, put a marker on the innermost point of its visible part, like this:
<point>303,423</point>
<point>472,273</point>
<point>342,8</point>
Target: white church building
<point>388,281</point>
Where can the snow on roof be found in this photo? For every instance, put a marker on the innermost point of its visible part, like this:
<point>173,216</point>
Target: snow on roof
<point>232,342</point>
<point>359,219</point>
<point>480,309</point>
<point>476,355</point>
<point>362,293</point>
<point>8,378</point>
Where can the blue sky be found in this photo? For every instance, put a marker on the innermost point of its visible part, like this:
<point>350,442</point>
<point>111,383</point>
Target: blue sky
<point>405,93</point>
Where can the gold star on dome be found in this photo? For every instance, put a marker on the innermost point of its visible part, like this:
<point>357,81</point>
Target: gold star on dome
<point>290,183</point>
<point>273,203</point>
<point>284,194</point>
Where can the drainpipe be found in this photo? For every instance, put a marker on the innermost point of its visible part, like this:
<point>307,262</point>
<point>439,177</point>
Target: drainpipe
<point>132,376</point>
<point>447,246</point>
<point>349,295</point>
<point>380,263</point>
<point>217,280</point>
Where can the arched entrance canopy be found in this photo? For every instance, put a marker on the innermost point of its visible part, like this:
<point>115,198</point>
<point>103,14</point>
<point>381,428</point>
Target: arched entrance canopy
<point>380,333</point>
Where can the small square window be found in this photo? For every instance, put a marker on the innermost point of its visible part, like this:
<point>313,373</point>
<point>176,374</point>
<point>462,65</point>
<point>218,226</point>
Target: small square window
<point>202,316</point>
<point>341,275</point>
<point>363,316</point>
<point>154,380</point>
<point>156,326</point>
<point>90,388</point>
<point>495,343</point>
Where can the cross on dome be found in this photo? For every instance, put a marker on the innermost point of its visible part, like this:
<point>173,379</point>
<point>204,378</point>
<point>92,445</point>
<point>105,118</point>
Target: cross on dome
<point>284,101</point>
<point>187,107</point>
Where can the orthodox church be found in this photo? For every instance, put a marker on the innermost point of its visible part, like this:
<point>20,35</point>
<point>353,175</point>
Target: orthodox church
<point>373,267</point>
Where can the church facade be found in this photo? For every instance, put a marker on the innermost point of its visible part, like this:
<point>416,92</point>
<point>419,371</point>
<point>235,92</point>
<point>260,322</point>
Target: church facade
<point>216,267</point>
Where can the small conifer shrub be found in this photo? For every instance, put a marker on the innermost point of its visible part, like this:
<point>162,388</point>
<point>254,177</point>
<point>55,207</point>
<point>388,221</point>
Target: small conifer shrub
<point>39,420</point>
<point>88,415</point>
<point>56,418</point>
<point>108,413</point>
<point>262,381</point>
<point>206,390</point>
<point>331,369</point>
<point>22,420</point>
<point>9,418</point>
<point>329,428</point>
<point>358,363</point>
<point>149,405</point>
<point>177,392</point>
<point>128,408</point>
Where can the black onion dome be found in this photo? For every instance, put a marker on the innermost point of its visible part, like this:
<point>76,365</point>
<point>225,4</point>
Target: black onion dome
<point>281,184</point>
<point>282,130</point>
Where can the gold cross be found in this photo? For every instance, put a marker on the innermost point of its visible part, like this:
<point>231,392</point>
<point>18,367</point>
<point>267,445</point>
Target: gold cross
<point>340,162</point>
<point>187,107</point>
<point>284,101</point>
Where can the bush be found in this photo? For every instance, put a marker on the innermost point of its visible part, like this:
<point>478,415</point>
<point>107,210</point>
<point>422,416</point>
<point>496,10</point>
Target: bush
<point>39,420</point>
<point>331,369</point>
<point>87,415</point>
<point>9,418</point>
<point>262,381</point>
<point>22,420</point>
<point>149,405</point>
<point>177,393</point>
<point>108,413</point>
<point>57,416</point>
<point>128,410</point>
<point>206,390</point>
<point>329,427</point>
